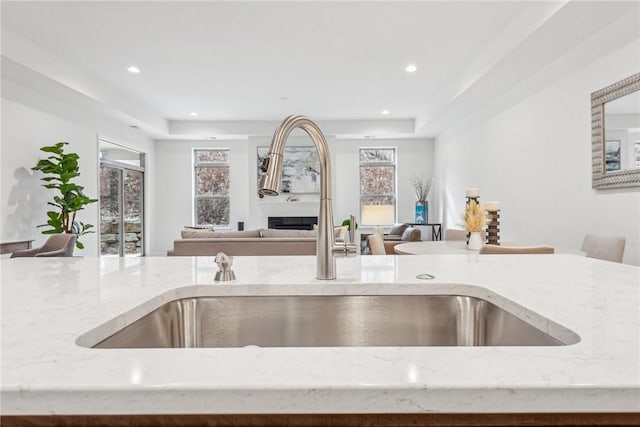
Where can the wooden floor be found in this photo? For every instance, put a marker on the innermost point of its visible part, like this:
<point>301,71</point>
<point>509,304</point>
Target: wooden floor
<point>332,420</point>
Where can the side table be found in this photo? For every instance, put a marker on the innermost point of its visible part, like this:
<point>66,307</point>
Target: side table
<point>436,229</point>
<point>14,245</point>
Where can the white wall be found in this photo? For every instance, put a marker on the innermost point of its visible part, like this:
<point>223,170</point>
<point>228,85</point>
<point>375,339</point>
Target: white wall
<point>535,158</point>
<point>173,178</point>
<point>31,120</point>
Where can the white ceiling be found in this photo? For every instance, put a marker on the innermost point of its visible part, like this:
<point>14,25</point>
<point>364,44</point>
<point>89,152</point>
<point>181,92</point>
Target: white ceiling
<point>265,60</point>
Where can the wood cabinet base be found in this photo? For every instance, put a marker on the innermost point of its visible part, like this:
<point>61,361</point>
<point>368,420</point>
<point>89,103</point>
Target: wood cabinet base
<point>342,420</point>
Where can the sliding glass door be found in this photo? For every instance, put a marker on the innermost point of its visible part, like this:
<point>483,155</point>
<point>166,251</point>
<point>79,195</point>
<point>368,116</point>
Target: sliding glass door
<point>121,205</point>
<point>133,207</point>
<point>110,210</point>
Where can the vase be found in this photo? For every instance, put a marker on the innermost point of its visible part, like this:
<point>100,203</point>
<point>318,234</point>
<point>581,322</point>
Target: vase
<point>475,241</point>
<point>422,212</point>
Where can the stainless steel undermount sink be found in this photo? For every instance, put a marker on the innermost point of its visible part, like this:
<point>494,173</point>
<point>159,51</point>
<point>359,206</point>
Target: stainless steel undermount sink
<point>328,321</point>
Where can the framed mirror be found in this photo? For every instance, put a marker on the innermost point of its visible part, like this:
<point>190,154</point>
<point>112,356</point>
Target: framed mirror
<point>615,135</point>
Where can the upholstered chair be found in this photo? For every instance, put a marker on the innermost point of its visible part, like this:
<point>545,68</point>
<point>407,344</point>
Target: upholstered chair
<point>607,248</point>
<point>455,234</point>
<point>376,244</point>
<point>501,250</point>
<point>410,234</point>
<point>460,235</point>
<point>340,233</point>
<point>396,232</point>
<point>57,245</point>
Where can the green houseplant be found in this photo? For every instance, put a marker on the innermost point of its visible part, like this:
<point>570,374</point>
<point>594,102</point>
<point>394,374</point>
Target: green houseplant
<point>60,169</point>
<point>347,222</point>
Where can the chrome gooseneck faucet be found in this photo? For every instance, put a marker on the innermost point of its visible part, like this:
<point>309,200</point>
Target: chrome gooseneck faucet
<point>270,186</point>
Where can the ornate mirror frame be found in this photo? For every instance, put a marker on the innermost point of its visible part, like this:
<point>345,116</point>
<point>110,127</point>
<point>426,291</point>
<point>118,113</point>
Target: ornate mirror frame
<point>614,179</point>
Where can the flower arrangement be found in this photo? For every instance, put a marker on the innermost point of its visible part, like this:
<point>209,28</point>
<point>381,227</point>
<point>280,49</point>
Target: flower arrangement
<point>422,186</point>
<point>475,217</point>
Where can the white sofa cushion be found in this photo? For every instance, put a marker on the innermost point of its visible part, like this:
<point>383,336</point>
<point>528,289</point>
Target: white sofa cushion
<point>208,234</point>
<point>198,234</point>
<point>270,232</point>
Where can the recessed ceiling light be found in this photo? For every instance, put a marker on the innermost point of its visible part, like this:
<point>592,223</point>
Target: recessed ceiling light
<point>133,69</point>
<point>411,68</point>
<point>384,112</point>
<point>193,113</point>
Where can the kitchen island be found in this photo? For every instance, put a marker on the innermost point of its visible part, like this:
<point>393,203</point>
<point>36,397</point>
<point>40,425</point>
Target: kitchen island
<point>47,305</point>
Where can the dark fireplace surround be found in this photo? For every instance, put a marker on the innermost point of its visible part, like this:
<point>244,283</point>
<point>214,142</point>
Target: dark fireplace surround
<point>292,222</point>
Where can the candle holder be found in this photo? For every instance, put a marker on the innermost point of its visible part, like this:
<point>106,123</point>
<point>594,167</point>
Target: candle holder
<point>469,199</point>
<point>493,227</point>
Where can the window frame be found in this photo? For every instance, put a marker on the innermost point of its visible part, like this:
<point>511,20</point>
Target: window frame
<point>215,164</point>
<point>394,195</point>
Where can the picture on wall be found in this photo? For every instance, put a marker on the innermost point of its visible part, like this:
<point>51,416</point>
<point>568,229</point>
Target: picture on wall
<point>300,169</point>
<point>612,155</point>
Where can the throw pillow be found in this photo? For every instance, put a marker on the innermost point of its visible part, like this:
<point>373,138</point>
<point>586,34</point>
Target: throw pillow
<point>199,234</point>
<point>198,227</point>
<point>411,234</point>
<point>398,229</point>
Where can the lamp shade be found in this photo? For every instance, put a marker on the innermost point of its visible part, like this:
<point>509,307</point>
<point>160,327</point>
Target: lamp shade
<point>377,214</point>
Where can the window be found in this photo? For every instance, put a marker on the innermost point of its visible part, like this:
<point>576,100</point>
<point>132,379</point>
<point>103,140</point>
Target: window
<point>377,186</point>
<point>211,179</point>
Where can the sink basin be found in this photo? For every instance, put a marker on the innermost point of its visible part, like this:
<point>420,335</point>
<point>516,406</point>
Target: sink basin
<point>327,321</point>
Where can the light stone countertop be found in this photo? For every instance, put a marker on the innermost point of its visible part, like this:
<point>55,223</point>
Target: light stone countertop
<point>48,303</point>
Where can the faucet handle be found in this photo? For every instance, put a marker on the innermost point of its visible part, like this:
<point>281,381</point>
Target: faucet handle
<point>352,229</point>
<point>265,164</point>
<point>344,250</point>
<point>224,262</point>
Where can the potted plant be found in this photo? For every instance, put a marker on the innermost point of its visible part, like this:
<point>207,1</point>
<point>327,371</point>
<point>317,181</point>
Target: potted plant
<point>60,169</point>
<point>347,223</point>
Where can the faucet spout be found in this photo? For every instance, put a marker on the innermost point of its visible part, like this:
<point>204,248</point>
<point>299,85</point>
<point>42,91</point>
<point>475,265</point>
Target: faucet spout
<point>270,186</point>
<point>272,165</point>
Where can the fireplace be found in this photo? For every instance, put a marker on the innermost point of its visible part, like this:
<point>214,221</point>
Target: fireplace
<point>292,222</point>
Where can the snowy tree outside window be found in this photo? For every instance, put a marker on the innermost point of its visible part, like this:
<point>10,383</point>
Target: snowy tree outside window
<point>211,180</point>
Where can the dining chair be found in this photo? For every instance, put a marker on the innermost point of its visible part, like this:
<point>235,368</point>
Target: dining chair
<point>57,245</point>
<point>376,245</point>
<point>340,233</point>
<point>455,234</point>
<point>608,248</point>
<point>501,250</point>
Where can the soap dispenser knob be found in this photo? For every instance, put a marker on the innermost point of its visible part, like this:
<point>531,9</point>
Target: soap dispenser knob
<point>224,273</point>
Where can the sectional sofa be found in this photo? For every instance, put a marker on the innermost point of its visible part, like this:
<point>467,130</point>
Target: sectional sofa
<point>250,242</point>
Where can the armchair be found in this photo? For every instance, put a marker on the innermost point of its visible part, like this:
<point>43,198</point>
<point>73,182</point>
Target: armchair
<point>410,234</point>
<point>58,245</point>
<point>395,234</point>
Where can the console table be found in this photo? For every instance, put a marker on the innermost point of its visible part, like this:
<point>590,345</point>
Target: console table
<point>14,245</point>
<point>436,229</point>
